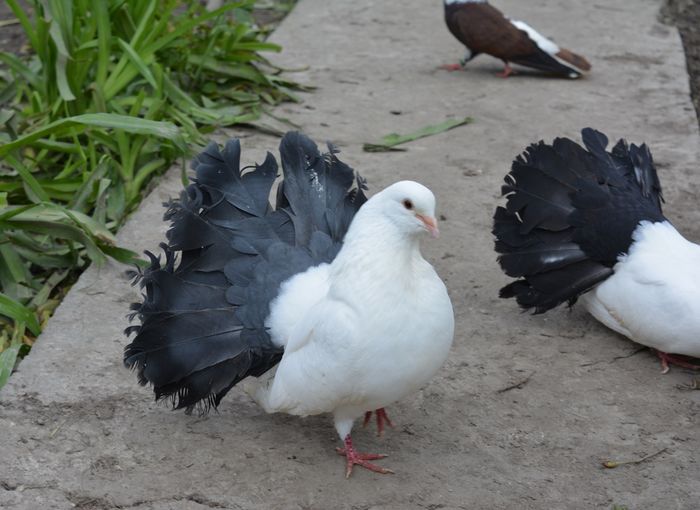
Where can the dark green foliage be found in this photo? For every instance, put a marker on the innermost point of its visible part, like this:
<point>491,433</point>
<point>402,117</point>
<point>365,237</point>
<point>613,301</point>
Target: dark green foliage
<point>111,94</point>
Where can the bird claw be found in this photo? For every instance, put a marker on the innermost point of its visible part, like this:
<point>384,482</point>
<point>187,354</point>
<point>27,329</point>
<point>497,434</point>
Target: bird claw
<point>507,71</point>
<point>451,67</point>
<point>667,359</point>
<point>354,458</point>
<point>382,418</point>
<point>361,459</point>
<point>362,456</point>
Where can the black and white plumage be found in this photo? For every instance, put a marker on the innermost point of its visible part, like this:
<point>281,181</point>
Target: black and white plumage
<point>328,287</point>
<point>586,224</point>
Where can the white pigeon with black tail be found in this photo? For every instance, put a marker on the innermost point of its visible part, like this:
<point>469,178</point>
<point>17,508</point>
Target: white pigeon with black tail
<point>587,224</point>
<point>328,287</point>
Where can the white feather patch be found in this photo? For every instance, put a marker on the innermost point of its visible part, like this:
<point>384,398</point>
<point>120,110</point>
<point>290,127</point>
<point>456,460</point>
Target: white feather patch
<point>653,296</point>
<point>296,297</point>
<point>544,44</point>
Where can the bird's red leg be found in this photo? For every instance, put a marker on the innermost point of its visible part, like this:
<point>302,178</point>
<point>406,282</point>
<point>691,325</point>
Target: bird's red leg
<point>354,458</point>
<point>667,359</point>
<point>368,416</point>
<point>382,418</point>
<point>507,71</point>
<point>451,67</point>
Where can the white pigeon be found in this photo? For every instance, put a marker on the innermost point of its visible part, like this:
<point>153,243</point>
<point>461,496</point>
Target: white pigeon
<point>351,318</point>
<point>587,224</point>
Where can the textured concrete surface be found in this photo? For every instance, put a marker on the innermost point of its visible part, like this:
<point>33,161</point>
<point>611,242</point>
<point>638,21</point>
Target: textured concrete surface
<point>78,432</point>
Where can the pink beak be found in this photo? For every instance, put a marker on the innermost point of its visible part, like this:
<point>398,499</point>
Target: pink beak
<point>430,225</point>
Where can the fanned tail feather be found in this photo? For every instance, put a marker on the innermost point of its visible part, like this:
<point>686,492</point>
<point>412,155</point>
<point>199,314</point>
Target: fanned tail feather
<point>570,213</point>
<point>202,318</point>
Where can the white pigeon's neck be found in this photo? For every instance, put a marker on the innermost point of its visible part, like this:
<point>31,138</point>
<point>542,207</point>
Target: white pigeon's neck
<point>375,249</point>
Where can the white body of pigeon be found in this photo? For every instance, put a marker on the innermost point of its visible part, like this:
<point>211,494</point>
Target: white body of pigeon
<point>658,278</point>
<point>368,329</point>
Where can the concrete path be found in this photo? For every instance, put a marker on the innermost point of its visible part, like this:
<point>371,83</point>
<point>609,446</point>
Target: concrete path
<point>76,430</point>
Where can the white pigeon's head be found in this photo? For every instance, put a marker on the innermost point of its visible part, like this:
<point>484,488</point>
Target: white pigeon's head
<point>410,206</point>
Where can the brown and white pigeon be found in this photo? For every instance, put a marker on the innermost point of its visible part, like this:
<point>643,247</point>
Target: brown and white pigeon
<point>484,29</point>
<point>324,303</point>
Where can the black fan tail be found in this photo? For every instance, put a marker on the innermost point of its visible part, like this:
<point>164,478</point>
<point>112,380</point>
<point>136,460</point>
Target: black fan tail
<point>202,318</point>
<point>570,214</point>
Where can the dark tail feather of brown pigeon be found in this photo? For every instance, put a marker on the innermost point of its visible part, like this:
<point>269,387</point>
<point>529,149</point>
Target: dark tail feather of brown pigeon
<point>574,59</point>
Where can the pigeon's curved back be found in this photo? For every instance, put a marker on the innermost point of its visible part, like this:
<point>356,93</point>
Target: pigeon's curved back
<point>570,214</point>
<point>202,318</point>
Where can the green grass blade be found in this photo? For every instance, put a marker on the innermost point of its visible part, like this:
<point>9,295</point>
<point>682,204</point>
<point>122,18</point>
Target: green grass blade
<point>8,213</point>
<point>389,142</point>
<point>60,223</point>
<point>123,255</point>
<point>8,357</point>
<point>55,146</point>
<point>51,214</point>
<point>79,201</point>
<point>19,313</point>
<point>22,70</point>
<point>248,73</point>
<point>34,190</point>
<point>43,295</point>
<point>104,38</point>
<point>59,14</point>
<point>134,125</point>
<point>186,27</point>
<point>146,170</point>
<point>139,63</point>
<point>145,22</point>
<point>13,267</point>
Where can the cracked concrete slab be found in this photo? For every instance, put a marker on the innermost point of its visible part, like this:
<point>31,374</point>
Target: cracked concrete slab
<point>77,432</point>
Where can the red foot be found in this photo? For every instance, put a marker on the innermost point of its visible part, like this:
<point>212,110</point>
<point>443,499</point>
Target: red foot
<point>507,71</point>
<point>382,418</point>
<point>451,67</point>
<point>675,359</point>
<point>354,458</point>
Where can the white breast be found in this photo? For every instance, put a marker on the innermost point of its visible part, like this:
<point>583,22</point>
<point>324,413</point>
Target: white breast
<point>407,343</point>
<point>369,341</point>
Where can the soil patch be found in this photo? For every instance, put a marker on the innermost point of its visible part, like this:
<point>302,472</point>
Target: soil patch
<point>12,38</point>
<point>685,14</point>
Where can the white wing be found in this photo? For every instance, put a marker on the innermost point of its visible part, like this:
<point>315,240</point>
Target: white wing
<point>314,375</point>
<point>296,297</point>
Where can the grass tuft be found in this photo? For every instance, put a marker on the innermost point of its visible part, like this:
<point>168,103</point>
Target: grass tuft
<point>110,95</point>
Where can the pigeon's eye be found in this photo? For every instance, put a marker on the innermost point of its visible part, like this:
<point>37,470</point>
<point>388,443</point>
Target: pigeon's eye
<point>407,204</point>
